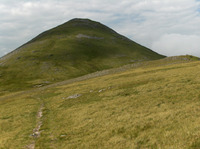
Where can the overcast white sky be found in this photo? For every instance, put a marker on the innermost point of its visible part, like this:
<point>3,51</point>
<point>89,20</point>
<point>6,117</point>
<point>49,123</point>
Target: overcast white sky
<point>170,27</point>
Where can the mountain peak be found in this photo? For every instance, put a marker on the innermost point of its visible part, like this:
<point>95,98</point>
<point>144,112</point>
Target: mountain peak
<point>75,26</point>
<point>80,20</point>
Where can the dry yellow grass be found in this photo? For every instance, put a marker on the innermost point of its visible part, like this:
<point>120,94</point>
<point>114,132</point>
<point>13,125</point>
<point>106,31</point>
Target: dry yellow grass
<point>17,118</point>
<point>152,107</point>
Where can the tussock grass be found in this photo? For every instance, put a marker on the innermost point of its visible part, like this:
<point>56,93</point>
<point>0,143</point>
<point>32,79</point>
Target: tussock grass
<point>17,120</point>
<point>147,107</point>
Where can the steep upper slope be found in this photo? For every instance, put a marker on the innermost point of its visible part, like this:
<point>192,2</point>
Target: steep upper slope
<point>75,48</point>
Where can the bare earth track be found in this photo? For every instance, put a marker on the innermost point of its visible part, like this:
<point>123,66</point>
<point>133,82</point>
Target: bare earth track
<point>36,130</point>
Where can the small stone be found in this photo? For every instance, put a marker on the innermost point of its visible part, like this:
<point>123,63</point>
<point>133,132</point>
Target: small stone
<point>102,90</point>
<point>74,96</point>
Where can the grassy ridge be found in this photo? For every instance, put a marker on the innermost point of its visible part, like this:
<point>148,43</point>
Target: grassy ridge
<point>73,49</point>
<point>147,107</point>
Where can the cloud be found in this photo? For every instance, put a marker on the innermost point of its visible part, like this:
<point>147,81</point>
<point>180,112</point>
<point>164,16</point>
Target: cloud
<point>161,18</point>
<point>152,23</point>
<point>174,44</point>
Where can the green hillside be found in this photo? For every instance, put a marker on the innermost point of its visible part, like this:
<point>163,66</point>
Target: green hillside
<point>82,85</point>
<point>148,105</point>
<point>75,48</point>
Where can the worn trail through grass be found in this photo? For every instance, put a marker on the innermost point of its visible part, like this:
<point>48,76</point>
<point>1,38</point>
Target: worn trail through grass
<point>36,131</point>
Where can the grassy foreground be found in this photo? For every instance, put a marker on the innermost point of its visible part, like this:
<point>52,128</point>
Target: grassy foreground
<point>149,107</point>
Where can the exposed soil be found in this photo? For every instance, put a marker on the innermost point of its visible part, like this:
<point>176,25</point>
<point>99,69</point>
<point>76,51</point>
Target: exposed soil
<point>36,130</point>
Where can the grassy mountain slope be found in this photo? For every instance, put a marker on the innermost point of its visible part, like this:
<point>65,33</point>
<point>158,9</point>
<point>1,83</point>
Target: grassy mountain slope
<point>152,106</point>
<point>75,48</point>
